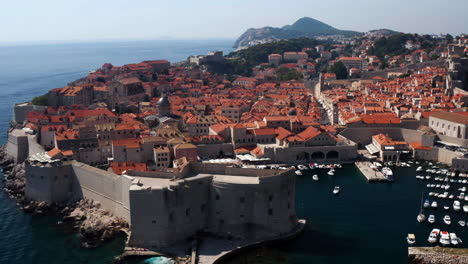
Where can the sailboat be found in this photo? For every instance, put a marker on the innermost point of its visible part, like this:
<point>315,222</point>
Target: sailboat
<point>421,217</point>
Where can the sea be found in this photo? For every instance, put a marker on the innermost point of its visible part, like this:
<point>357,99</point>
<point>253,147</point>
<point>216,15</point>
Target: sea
<point>366,223</point>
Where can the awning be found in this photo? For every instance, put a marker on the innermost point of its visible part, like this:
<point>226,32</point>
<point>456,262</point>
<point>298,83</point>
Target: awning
<point>372,149</point>
<point>448,144</point>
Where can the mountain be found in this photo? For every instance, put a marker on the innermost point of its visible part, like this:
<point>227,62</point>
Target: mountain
<point>304,27</point>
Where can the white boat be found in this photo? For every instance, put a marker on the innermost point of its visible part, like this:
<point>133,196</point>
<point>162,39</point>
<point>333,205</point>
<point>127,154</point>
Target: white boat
<point>298,172</point>
<point>426,204</point>
<point>421,218</point>
<point>388,173</point>
<point>315,177</point>
<point>411,239</point>
<point>377,164</point>
<point>462,223</point>
<point>434,204</point>
<point>419,168</point>
<point>446,207</point>
<point>453,239</point>
<point>465,208</point>
<point>336,190</point>
<point>466,198</point>
<point>433,235</point>
<point>301,167</point>
<point>447,220</point>
<point>331,172</point>
<point>431,219</point>
<point>462,189</point>
<point>456,205</point>
<point>444,238</point>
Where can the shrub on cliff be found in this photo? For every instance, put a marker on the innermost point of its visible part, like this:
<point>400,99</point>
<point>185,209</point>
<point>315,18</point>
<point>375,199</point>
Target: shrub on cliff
<point>40,100</point>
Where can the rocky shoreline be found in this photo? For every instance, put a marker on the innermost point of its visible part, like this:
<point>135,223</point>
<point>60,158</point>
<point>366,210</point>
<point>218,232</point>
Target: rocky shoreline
<point>94,225</point>
<point>437,255</point>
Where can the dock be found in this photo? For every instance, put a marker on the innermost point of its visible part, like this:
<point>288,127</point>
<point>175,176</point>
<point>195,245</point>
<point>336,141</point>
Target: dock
<point>370,174</point>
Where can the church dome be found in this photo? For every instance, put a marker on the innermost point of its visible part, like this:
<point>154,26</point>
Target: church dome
<point>163,101</point>
<point>292,112</point>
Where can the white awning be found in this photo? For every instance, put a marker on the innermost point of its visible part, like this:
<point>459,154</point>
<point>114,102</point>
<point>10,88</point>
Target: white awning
<point>372,149</point>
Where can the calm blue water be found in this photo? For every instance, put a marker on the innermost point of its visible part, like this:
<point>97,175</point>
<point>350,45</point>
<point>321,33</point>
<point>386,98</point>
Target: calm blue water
<point>28,71</point>
<point>366,223</point>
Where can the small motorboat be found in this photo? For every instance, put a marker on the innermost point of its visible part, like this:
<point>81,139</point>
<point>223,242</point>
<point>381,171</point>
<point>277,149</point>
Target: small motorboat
<point>446,208</point>
<point>447,220</point>
<point>301,167</point>
<point>419,168</point>
<point>462,223</point>
<point>315,177</point>
<point>331,172</point>
<point>431,219</point>
<point>421,217</point>
<point>444,238</point>
<point>433,235</point>
<point>453,239</point>
<point>434,204</point>
<point>336,190</point>
<point>426,203</point>
<point>411,239</point>
<point>388,173</point>
<point>298,172</point>
<point>465,208</point>
<point>456,205</point>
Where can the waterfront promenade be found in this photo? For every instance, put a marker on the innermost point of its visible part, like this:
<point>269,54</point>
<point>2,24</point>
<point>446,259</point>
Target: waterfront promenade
<point>370,174</point>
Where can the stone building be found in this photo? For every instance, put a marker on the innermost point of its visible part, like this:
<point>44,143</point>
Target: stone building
<point>450,124</point>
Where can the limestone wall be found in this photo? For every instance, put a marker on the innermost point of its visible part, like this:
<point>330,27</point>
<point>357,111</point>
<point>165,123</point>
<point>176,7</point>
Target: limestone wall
<point>214,150</point>
<point>437,154</point>
<point>49,182</point>
<point>109,189</point>
<point>460,164</point>
<point>162,216</point>
<point>17,145</point>
<point>363,136</point>
<point>246,210</point>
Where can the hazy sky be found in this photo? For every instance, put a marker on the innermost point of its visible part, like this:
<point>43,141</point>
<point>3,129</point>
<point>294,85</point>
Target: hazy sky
<point>39,20</point>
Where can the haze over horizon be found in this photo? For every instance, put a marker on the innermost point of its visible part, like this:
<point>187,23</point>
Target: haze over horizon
<point>58,20</point>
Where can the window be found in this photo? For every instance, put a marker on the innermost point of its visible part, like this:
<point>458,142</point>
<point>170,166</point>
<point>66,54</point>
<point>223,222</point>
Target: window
<point>270,198</point>
<point>242,199</point>
<point>270,211</point>
<point>187,212</point>
<point>217,197</point>
<point>154,221</point>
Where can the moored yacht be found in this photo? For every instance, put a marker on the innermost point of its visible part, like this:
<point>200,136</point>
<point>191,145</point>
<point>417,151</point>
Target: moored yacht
<point>431,219</point>
<point>315,177</point>
<point>336,190</point>
<point>421,217</point>
<point>444,238</point>
<point>298,172</point>
<point>456,205</point>
<point>426,203</point>
<point>434,204</point>
<point>301,167</point>
<point>447,220</point>
<point>465,208</point>
<point>433,235</point>
<point>388,173</point>
<point>419,168</point>
<point>411,239</point>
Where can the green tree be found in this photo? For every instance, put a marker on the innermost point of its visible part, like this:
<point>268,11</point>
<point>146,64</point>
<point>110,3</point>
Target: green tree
<point>40,100</point>
<point>286,74</point>
<point>449,38</point>
<point>340,70</point>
